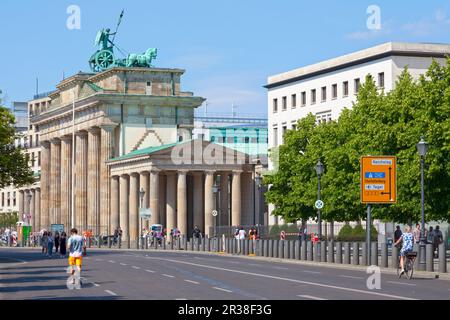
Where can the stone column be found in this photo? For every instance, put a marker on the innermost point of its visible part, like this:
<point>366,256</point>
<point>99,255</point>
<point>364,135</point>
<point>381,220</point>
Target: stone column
<point>66,181</point>
<point>106,153</point>
<point>171,202</point>
<point>124,199</point>
<point>236,199</point>
<point>32,210</point>
<point>37,209</point>
<point>21,202</point>
<point>81,181</point>
<point>93,187</point>
<point>45,184</point>
<point>198,203</point>
<point>144,183</point>
<point>209,202</point>
<point>182,202</point>
<point>115,202</point>
<point>134,208</point>
<point>55,181</point>
<point>26,205</point>
<point>154,196</point>
<point>224,199</point>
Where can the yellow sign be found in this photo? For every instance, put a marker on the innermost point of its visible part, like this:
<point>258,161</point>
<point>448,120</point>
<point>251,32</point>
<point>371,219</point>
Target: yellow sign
<point>378,179</point>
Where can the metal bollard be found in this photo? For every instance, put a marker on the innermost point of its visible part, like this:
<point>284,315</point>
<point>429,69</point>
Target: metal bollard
<point>250,247</point>
<point>374,252</point>
<point>287,249</point>
<point>246,245</point>
<point>394,257</point>
<point>197,244</point>
<point>178,243</point>
<point>275,248</point>
<point>346,253</point>
<point>416,248</point>
<point>109,242</point>
<point>429,258</point>
<point>260,252</point>
<point>164,243</point>
<point>442,258</point>
<point>270,248</point>
<point>355,256</point>
<point>303,250</point>
<point>384,255</point>
<point>363,259</point>
<point>316,254</point>
<point>323,251</point>
<point>330,257</point>
<point>292,249</point>
<point>281,249</point>
<point>171,244</point>
<point>297,250</point>
<point>338,252</point>
<point>309,253</point>
<point>185,243</point>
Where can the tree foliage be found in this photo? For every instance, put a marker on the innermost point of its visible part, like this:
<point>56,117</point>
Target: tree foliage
<point>377,124</point>
<point>14,169</point>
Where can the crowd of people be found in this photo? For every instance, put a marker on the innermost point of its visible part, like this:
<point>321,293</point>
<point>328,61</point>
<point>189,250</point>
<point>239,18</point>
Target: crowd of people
<point>432,236</point>
<point>53,243</point>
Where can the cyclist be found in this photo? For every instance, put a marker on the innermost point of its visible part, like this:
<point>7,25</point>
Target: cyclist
<point>407,247</point>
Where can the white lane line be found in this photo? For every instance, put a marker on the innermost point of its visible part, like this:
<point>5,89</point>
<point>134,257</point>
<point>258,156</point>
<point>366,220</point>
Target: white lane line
<point>111,293</point>
<point>310,297</point>
<point>222,289</point>
<point>254,265</point>
<point>315,272</point>
<point>350,277</point>
<point>98,259</point>
<point>281,268</point>
<point>96,284</point>
<point>181,299</point>
<point>287,279</point>
<point>168,275</point>
<point>123,264</point>
<point>111,261</point>
<point>402,283</point>
<point>134,267</point>
<point>194,282</point>
<point>150,271</point>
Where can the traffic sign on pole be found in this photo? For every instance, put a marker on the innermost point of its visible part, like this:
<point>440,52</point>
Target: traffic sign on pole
<point>319,204</point>
<point>378,179</point>
<point>214,213</point>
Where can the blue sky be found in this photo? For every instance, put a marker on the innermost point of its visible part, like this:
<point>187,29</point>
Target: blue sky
<point>228,47</point>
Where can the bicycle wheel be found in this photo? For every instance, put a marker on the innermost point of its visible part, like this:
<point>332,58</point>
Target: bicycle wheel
<point>410,268</point>
<point>399,270</point>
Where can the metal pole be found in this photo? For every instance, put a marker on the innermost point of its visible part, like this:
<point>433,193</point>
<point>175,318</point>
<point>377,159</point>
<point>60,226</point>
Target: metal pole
<point>422,257</point>
<point>319,220</point>
<point>368,226</point>
<point>72,204</point>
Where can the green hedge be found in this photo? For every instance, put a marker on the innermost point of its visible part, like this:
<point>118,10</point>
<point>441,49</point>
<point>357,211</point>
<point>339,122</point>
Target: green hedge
<point>358,233</point>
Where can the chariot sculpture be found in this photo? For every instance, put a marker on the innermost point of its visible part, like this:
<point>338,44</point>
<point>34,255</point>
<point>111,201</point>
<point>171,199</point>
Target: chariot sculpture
<point>104,57</point>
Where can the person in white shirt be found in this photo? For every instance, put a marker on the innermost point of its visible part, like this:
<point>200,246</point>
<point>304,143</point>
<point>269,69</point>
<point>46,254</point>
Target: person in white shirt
<point>75,245</point>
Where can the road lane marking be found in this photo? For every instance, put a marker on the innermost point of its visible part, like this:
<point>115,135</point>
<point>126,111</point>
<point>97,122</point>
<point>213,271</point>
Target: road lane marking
<point>151,271</point>
<point>281,268</point>
<point>168,275</point>
<point>98,259</point>
<point>310,297</point>
<point>222,289</point>
<point>194,282</point>
<point>316,272</point>
<point>96,284</point>
<point>111,293</point>
<point>111,261</point>
<point>134,267</point>
<point>287,279</point>
<point>351,277</point>
<point>123,264</point>
<point>402,283</point>
<point>181,299</point>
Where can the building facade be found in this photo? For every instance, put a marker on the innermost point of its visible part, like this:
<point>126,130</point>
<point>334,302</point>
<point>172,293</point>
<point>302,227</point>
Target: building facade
<point>326,88</point>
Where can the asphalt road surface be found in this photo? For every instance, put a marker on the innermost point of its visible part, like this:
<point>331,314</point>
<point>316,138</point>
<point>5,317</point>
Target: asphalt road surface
<point>109,275</point>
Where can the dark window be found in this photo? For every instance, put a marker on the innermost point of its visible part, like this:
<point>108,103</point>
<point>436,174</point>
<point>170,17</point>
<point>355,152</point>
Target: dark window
<point>303,98</point>
<point>345,88</point>
<point>247,140</point>
<point>334,91</point>
<point>357,85</point>
<point>275,105</point>
<point>294,100</point>
<point>324,94</point>
<point>381,79</point>
<point>284,103</point>
<point>313,96</point>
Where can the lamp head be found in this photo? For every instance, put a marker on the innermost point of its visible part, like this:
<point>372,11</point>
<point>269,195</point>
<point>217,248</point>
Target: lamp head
<point>422,147</point>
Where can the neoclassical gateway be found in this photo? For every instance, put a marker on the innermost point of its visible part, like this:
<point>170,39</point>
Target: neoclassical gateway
<point>124,130</point>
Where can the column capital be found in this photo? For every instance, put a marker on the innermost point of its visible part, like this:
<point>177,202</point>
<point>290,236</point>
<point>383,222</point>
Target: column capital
<point>45,143</point>
<point>108,126</point>
<point>67,138</point>
<point>93,130</point>
<point>134,174</point>
<point>155,170</point>
<point>145,172</point>
<point>81,134</point>
<point>183,171</point>
<point>124,175</point>
<point>56,141</point>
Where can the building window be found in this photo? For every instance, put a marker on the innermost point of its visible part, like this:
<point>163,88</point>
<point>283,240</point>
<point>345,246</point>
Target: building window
<point>313,96</point>
<point>3,199</point>
<point>324,94</point>
<point>14,199</point>
<point>357,85</point>
<point>334,91</point>
<point>254,140</point>
<point>381,79</point>
<point>275,105</point>
<point>36,139</point>
<point>284,103</point>
<point>293,126</point>
<point>283,132</point>
<point>213,138</point>
<point>294,101</point>
<point>246,140</point>
<point>8,200</point>
<point>303,98</point>
<point>345,88</point>
<point>230,140</point>
<point>31,141</point>
<point>323,117</point>
<point>32,159</point>
<point>39,159</point>
<point>148,89</point>
<point>275,137</point>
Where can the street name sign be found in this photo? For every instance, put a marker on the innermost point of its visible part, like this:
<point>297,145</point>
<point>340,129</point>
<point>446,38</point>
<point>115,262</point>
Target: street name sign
<point>378,179</point>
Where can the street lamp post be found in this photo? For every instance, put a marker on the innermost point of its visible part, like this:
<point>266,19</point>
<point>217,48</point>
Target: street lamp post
<point>319,171</point>
<point>141,195</point>
<point>258,181</point>
<point>422,148</point>
<point>29,196</point>
<point>216,190</point>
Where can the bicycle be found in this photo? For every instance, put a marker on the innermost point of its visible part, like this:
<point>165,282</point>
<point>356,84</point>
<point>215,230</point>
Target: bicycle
<point>409,265</point>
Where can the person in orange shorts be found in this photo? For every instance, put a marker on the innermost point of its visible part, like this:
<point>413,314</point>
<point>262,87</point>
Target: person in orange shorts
<point>75,245</point>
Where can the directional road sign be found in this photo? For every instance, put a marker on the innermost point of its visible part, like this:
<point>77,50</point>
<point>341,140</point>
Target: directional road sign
<point>378,179</point>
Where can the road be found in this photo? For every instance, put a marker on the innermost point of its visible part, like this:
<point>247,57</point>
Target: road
<point>110,275</point>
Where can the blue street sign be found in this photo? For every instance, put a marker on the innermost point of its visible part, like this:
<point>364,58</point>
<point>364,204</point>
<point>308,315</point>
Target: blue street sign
<point>375,175</point>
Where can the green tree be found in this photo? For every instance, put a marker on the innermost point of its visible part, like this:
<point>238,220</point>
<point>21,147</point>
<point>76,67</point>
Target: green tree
<point>14,169</point>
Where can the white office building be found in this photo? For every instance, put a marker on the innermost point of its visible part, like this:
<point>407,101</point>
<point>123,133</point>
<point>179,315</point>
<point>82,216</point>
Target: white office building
<point>326,88</point>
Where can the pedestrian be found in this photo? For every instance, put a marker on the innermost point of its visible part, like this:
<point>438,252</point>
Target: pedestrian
<point>44,243</point>
<point>251,233</point>
<point>430,235</point>
<point>63,244</point>
<point>75,244</point>
<point>57,239</point>
<point>50,243</point>
<point>437,240</point>
<point>416,233</point>
<point>397,234</point>
<point>196,234</point>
